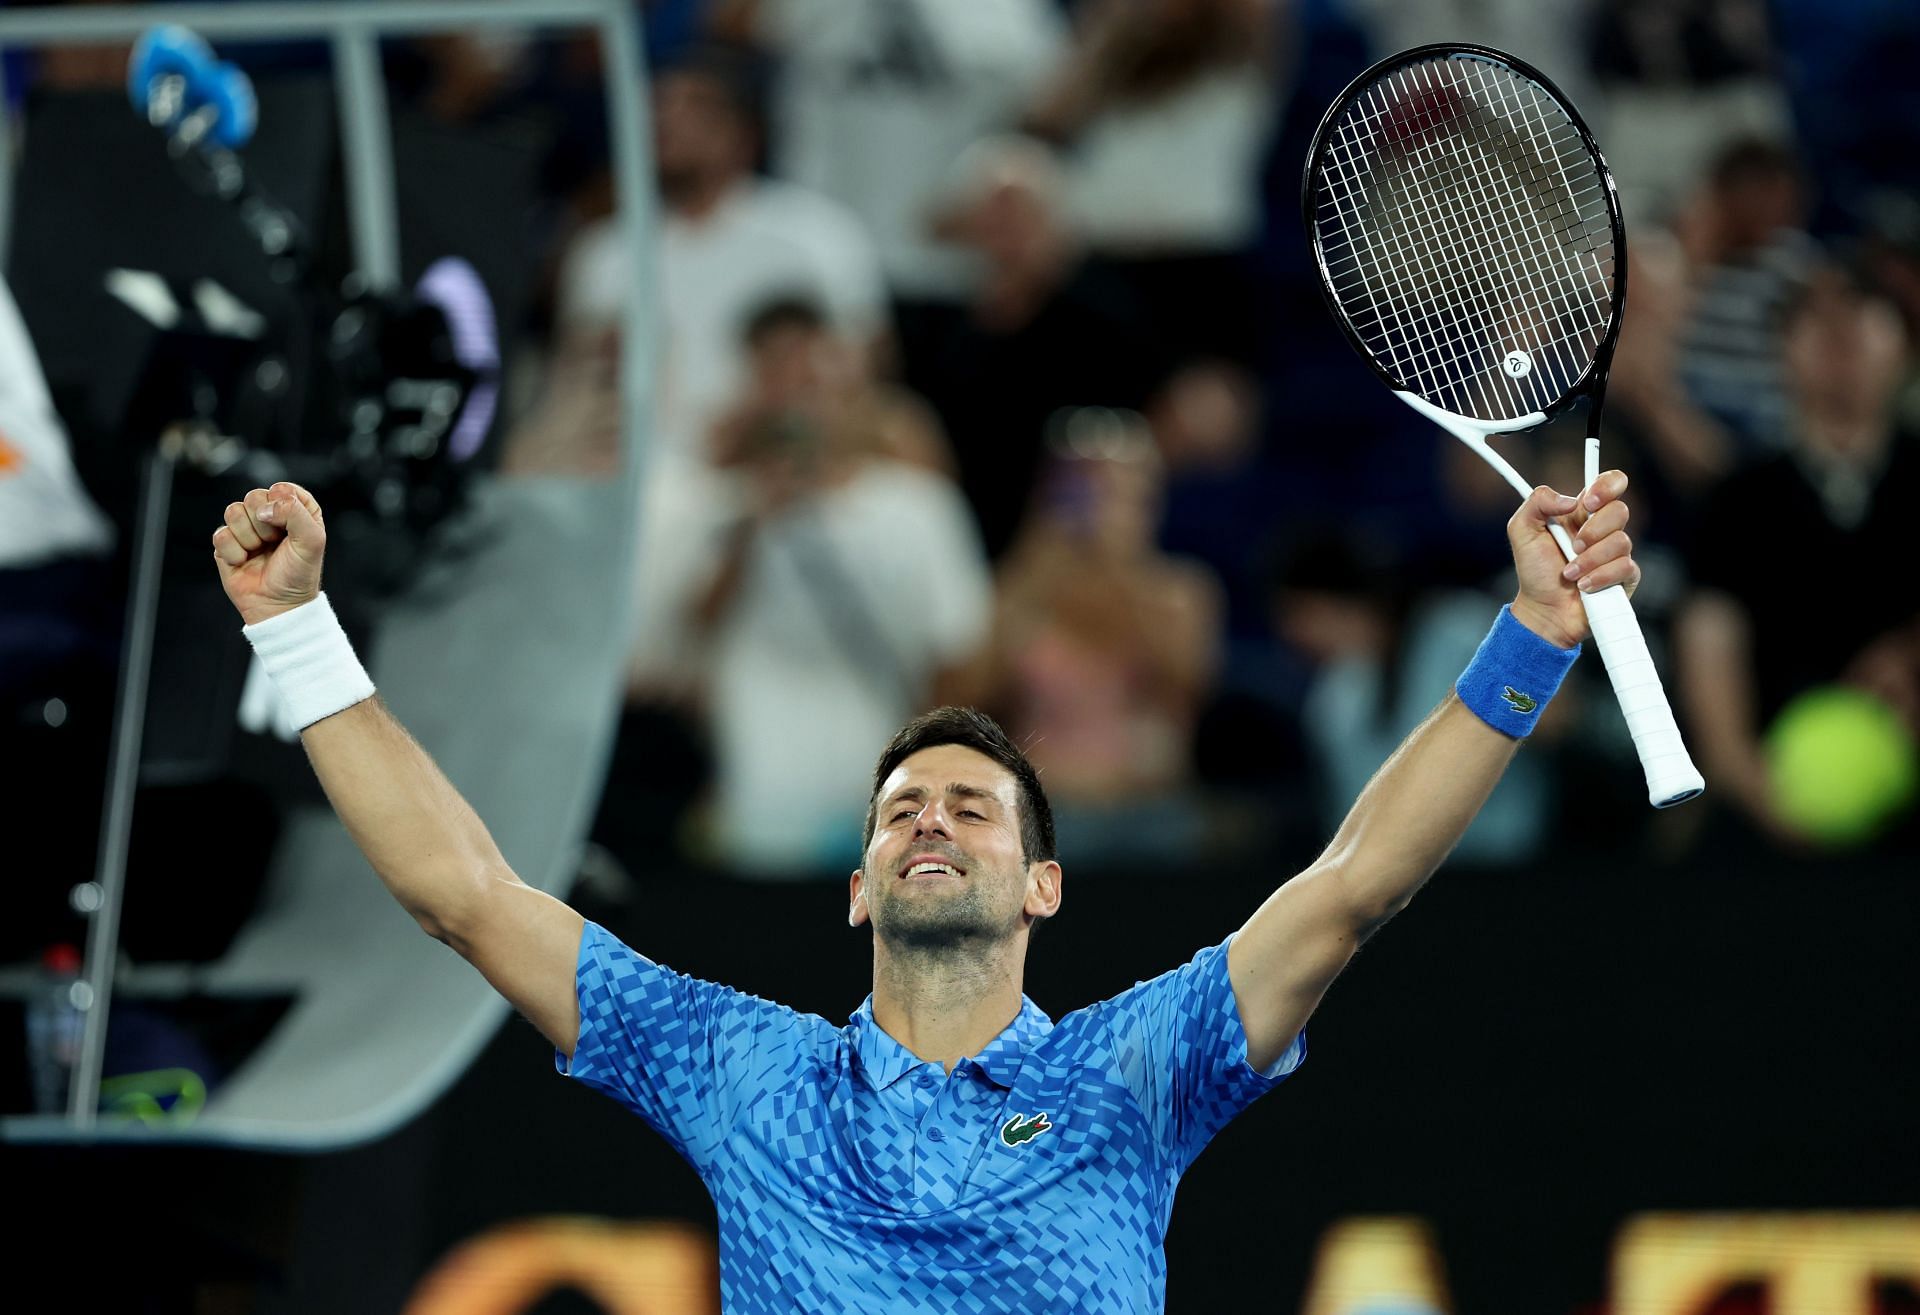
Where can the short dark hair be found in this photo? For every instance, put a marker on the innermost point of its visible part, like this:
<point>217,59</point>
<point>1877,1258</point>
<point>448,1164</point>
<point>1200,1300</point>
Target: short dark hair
<point>780,314</point>
<point>737,72</point>
<point>1843,279</point>
<point>971,729</point>
<point>1754,160</point>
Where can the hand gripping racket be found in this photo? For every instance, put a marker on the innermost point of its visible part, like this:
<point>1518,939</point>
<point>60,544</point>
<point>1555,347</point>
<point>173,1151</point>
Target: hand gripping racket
<point>1469,243</point>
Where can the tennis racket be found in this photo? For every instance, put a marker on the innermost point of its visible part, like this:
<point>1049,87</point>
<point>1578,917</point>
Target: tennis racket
<point>1469,243</point>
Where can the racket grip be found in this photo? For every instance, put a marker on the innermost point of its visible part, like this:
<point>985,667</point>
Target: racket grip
<point>1671,776</point>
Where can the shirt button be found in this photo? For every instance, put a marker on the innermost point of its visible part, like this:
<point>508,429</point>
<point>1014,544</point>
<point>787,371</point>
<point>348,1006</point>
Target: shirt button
<point>924,1080</point>
<point>936,1134</point>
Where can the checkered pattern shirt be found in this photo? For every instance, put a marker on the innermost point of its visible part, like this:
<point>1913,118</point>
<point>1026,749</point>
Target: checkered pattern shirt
<point>851,1175</point>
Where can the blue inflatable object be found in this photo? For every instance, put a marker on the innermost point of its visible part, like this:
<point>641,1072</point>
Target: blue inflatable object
<point>230,92</point>
<point>163,51</point>
<point>209,86</point>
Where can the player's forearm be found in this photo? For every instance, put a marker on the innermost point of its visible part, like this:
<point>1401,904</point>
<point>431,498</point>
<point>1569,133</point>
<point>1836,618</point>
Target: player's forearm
<point>423,839</point>
<point>1415,809</point>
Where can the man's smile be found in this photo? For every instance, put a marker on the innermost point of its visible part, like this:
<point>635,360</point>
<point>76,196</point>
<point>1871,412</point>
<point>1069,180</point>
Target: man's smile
<point>923,867</point>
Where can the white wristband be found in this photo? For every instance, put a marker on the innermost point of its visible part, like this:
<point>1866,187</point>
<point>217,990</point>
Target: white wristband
<point>311,661</point>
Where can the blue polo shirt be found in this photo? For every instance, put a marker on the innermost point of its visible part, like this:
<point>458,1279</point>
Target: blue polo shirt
<point>850,1175</point>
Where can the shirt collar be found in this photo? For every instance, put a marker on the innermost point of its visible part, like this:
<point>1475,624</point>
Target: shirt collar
<point>1002,1057</point>
<point>885,1061</point>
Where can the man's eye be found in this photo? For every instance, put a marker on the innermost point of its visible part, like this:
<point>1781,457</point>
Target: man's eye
<point>903,813</point>
<point>968,812</point>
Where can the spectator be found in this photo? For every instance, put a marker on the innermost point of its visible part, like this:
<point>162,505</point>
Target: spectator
<point>1043,331</point>
<point>61,595</point>
<point>1683,79</point>
<point>45,512</point>
<point>1679,450</point>
<point>1104,647</point>
<point>1165,107</point>
<point>1890,254</point>
<point>58,611</point>
<point>876,100</point>
<point>1747,644</point>
<point>1743,233</point>
<point>848,588</point>
<point>464,75</point>
<point>729,242</point>
<point>800,367</point>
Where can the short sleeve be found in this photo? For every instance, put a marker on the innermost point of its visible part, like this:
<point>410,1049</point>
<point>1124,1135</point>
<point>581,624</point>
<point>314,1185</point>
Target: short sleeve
<point>682,1053</point>
<point>1182,1050</point>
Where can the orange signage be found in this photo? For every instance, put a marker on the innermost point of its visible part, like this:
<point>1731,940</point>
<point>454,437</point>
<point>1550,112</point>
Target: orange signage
<point>1812,1264</point>
<point>626,1268</point>
<point>1663,1264</point>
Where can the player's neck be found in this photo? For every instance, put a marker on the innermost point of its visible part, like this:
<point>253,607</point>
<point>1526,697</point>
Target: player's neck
<point>947,1006</point>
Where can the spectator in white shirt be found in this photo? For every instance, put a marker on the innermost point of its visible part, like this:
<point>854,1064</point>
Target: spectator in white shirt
<point>729,241</point>
<point>849,591</point>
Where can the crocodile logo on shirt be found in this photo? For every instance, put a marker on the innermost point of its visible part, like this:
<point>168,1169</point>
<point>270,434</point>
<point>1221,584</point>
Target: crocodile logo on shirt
<point>1522,703</point>
<point>1020,1128</point>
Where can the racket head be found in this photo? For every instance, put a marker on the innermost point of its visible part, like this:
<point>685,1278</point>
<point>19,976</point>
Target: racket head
<point>1467,234</point>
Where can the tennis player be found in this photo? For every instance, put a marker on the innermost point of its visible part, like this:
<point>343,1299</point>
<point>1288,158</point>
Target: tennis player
<point>951,1148</point>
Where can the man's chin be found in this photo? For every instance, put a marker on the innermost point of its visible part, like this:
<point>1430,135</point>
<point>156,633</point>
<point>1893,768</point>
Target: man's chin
<point>928,929</point>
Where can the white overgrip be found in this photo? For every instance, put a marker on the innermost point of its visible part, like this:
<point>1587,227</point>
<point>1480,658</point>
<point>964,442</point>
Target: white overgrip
<point>1671,776</point>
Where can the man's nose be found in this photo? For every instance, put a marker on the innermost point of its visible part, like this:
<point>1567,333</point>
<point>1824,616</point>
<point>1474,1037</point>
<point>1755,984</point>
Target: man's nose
<point>932,821</point>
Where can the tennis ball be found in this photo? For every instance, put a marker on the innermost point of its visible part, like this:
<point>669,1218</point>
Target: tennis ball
<point>1841,764</point>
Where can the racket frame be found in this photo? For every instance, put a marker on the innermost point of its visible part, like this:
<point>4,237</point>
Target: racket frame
<point>1592,382</point>
<point>1671,776</point>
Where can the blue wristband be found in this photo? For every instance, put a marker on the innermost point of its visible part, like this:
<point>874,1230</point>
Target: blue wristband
<point>1512,676</point>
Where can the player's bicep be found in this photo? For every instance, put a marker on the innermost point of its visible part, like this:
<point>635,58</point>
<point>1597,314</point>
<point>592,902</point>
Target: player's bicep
<point>1282,962</point>
<point>527,944</point>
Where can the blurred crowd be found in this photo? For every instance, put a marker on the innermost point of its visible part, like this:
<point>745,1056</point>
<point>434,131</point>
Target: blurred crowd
<point>989,368</point>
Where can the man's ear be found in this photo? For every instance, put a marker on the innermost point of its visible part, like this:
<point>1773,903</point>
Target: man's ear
<point>856,899</point>
<point>1043,890</point>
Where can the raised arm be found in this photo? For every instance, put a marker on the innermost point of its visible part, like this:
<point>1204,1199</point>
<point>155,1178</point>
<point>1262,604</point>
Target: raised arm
<point>422,839</point>
<point>1418,805</point>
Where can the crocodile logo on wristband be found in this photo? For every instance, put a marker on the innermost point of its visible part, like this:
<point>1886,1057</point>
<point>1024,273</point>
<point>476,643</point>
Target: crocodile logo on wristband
<point>1521,703</point>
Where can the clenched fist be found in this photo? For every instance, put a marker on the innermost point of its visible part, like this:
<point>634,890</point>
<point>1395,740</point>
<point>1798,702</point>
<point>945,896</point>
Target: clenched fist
<point>269,551</point>
<point>1551,586</point>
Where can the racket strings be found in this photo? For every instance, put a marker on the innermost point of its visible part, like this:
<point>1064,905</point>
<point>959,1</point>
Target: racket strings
<point>1488,229</point>
<point>1437,257</point>
<point>1404,239</point>
<point>1465,229</point>
<point>1573,238</point>
<point>1522,236</point>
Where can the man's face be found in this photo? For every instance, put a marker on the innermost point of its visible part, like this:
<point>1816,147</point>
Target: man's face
<point>800,368</point>
<point>1845,354</point>
<point>945,866</point>
<point>698,131</point>
<point>1753,209</point>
